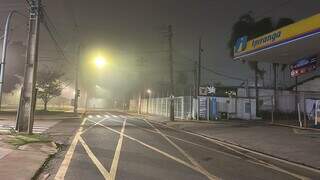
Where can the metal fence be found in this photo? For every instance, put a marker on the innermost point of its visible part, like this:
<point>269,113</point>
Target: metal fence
<point>161,106</point>
<point>186,107</point>
<point>290,108</point>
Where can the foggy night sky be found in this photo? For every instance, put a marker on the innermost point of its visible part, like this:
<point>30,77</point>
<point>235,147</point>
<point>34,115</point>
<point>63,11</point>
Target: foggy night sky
<point>130,30</point>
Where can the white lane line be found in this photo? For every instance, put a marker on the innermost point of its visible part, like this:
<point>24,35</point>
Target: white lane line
<point>189,142</point>
<point>67,158</point>
<point>90,116</point>
<point>107,116</point>
<point>193,161</point>
<point>82,132</point>
<point>115,161</point>
<point>155,149</point>
<point>95,160</point>
<point>234,148</point>
<point>98,116</point>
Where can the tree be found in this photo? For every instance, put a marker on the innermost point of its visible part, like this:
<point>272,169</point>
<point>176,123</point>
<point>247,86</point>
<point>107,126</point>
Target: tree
<point>49,86</point>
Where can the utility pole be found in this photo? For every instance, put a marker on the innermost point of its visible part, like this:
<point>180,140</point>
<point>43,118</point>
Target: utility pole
<point>199,75</point>
<point>25,115</point>
<point>170,34</point>
<point>256,79</point>
<point>195,85</point>
<point>76,88</point>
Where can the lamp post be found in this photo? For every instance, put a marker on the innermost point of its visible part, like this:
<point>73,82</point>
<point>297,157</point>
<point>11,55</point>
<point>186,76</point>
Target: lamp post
<point>4,50</point>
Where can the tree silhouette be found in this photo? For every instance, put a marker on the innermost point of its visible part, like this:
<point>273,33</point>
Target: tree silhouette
<point>49,86</point>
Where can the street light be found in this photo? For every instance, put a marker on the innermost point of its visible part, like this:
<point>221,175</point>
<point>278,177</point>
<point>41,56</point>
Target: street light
<point>100,62</point>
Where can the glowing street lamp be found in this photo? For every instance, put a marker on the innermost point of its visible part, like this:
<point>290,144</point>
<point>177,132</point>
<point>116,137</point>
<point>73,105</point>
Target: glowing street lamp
<point>100,62</point>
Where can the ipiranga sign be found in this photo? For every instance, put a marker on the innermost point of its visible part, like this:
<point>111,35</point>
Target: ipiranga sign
<point>282,36</point>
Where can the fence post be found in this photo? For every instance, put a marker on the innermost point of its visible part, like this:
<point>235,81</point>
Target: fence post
<point>182,108</point>
<point>272,111</point>
<point>305,123</point>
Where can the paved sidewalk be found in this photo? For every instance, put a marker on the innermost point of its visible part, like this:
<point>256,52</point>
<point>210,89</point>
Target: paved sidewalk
<point>24,162</point>
<point>297,145</point>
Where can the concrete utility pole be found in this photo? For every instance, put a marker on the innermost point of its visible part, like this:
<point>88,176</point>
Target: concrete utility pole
<point>76,84</point>
<point>199,66</point>
<point>25,114</point>
<point>199,75</point>
<point>275,77</point>
<point>195,84</point>
<point>256,79</point>
<point>170,34</point>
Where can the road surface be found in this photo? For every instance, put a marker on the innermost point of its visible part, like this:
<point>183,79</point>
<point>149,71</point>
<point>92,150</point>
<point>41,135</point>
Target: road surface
<point>111,145</point>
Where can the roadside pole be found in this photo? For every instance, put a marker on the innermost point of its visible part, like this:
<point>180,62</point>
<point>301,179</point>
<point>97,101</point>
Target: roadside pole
<point>27,106</point>
<point>76,89</point>
<point>199,76</point>
<point>171,74</point>
<point>4,51</point>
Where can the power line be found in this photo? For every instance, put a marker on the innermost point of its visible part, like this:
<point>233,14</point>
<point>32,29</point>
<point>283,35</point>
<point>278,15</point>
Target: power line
<point>46,19</point>
<point>211,70</point>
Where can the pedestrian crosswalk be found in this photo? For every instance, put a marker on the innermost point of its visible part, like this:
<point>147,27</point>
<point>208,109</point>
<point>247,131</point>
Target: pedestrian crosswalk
<point>109,115</point>
<point>38,128</point>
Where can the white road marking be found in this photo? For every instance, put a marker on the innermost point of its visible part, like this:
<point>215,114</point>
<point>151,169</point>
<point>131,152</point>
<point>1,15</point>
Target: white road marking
<point>67,158</point>
<point>115,161</point>
<point>95,160</point>
<point>154,149</point>
<point>107,116</point>
<point>90,116</point>
<point>233,148</point>
<point>92,126</point>
<point>193,161</point>
<point>98,116</point>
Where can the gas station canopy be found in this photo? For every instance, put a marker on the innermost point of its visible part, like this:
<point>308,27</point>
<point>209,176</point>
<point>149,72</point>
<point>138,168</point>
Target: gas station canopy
<point>285,45</point>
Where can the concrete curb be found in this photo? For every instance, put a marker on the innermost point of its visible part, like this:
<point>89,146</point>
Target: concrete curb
<point>258,152</point>
<point>44,164</point>
<point>295,127</point>
<point>245,147</point>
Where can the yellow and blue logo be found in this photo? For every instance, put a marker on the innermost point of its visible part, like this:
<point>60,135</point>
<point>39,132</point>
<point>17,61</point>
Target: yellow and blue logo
<point>241,44</point>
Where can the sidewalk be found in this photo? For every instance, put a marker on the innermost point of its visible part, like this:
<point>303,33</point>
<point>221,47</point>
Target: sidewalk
<point>23,156</point>
<point>296,145</point>
<point>23,161</point>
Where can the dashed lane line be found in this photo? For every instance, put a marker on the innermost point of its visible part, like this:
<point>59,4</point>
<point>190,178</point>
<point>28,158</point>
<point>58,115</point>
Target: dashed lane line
<point>115,161</point>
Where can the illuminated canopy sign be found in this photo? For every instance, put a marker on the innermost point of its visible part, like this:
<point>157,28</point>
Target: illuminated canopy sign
<point>288,34</point>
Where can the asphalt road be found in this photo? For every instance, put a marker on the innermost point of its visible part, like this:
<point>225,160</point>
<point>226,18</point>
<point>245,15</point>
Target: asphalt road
<point>120,146</point>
